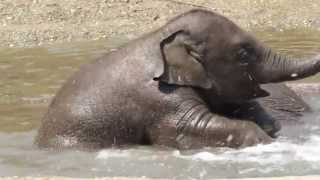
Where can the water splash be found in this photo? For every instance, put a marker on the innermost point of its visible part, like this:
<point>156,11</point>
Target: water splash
<point>106,154</point>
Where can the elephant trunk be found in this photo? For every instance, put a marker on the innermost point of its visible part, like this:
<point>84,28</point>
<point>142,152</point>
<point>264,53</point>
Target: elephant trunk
<point>277,68</point>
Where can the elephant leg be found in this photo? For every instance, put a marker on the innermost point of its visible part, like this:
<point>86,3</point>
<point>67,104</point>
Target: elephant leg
<point>284,98</point>
<point>283,104</point>
<point>194,126</point>
<point>281,108</point>
<point>258,114</point>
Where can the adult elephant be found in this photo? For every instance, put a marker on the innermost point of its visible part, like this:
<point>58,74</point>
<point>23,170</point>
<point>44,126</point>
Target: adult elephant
<point>171,87</point>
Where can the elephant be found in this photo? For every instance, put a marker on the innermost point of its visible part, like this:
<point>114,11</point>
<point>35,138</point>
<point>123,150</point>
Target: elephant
<point>179,86</point>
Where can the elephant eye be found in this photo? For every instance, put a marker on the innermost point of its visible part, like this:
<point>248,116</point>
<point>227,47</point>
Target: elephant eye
<point>244,53</point>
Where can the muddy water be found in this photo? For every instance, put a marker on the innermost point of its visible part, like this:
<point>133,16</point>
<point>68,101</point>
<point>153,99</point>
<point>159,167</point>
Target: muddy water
<point>30,77</point>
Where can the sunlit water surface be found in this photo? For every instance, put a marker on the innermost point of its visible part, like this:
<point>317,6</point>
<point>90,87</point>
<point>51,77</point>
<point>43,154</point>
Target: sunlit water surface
<point>30,77</point>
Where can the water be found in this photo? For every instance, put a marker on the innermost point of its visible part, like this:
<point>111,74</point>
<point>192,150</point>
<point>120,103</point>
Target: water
<point>30,77</point>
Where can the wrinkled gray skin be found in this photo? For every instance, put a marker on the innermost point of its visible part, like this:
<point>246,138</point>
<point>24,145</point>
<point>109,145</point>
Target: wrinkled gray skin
<point>283,107</point>
<point>174,87</point>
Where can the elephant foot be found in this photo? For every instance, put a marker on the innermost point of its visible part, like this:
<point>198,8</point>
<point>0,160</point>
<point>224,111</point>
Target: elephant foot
<point>272,129</point>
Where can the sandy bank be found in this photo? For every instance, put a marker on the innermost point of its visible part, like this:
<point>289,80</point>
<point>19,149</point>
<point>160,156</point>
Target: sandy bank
<point>25,23</point>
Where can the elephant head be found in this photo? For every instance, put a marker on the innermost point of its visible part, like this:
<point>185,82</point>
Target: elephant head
<point>207,51</point>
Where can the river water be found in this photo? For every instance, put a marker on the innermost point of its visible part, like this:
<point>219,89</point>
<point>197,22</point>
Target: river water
<point>30,77</point>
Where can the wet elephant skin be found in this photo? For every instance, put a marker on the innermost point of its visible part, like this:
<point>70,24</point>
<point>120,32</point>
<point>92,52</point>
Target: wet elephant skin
<point>179,86</point>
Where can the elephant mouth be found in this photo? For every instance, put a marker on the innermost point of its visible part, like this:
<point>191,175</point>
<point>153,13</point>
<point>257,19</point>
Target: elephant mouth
<point>259,92</point>
<point>254,93</point>
<point>243,96</point>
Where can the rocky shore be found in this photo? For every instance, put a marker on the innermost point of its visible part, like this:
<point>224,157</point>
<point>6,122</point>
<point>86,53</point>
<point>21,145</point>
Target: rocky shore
<point>26,23</point>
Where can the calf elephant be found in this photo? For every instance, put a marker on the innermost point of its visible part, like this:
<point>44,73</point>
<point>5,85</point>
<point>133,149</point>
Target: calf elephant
<point>172,87</point>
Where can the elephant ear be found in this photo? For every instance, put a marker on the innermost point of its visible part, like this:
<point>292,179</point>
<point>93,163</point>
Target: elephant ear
<point>182,62</point>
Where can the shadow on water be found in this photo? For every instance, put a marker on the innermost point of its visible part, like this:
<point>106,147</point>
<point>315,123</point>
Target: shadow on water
<point>30,77</point>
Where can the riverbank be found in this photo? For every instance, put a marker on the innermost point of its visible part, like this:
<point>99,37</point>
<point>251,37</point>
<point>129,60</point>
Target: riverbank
<point>26,23</point>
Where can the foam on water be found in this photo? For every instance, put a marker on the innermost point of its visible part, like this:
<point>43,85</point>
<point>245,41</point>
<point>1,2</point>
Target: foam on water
<point>106,154</point>
<point>279,152</point>
<point>279,158</point>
